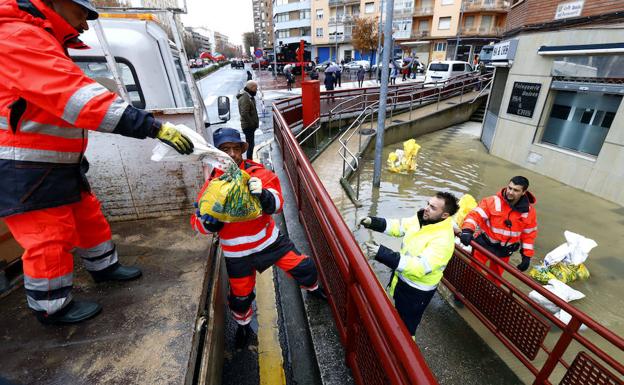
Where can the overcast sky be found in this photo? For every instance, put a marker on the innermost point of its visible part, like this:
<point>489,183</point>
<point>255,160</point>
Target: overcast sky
<point>230,17</point>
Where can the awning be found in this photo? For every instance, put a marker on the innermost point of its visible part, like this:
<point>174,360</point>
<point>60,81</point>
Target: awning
<point>414,43</point>
<point>583,49</point>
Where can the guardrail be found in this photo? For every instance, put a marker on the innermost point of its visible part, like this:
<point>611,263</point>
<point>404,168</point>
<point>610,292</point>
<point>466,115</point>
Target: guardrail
<point>379,349</point>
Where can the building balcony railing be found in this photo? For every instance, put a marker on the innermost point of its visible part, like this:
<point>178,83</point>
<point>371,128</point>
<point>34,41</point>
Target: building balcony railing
<point>334,3</point>
<point>486,5</point>
<point>421,34</point>
<point>482,31</point>
<point>340,38</point>
<point>403,12</point>
<point>428,11</point>
<point>343,19</point>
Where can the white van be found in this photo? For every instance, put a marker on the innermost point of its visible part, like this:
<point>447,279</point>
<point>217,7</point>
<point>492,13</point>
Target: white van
<point>439,71</point>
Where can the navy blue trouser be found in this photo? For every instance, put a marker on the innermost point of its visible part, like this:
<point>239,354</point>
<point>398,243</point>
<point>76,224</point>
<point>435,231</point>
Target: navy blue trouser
<point>411,304</point>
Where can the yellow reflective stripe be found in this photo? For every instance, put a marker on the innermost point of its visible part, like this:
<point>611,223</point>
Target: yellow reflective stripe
<point>417,285</point>
<point>33,155</point>
<point>79,99</point>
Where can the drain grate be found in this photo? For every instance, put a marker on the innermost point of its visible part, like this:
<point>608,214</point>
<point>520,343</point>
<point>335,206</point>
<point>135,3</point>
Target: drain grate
<point>398,121</point>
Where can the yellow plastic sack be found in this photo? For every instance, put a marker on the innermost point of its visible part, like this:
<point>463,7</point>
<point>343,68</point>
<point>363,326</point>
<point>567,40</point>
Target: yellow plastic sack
<point>541,274</point>
<point>581,272</point>
<point>404,160</point>
<point>466,204</point>
<point>563,272</point>
<point>228,199</point>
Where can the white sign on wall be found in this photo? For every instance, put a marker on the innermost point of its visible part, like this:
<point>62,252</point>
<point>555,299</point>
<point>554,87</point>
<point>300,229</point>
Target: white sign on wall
<point>571,9</point>
<point>505,50</point>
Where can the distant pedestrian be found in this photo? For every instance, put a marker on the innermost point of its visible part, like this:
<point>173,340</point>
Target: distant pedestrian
<point>415,65</point>
<point>405,69</point>
<point>360,76</point>
<point>393,73</point>
<point>338,77</point>
<point>329,81</point>
<point>249,75</point>
<point>314,75</point>
<point>248,114</point>
<point>290,79</point>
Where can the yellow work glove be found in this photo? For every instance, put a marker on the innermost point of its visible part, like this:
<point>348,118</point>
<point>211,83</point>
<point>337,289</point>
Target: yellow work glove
<point>171,136</point>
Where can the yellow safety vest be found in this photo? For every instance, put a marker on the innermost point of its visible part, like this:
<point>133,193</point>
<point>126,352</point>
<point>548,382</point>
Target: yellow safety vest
<point>425,251</point>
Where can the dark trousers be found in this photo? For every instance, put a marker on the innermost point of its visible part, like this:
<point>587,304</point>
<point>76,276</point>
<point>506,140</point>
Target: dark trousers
<point>411,304</point>
<point>249,138</point>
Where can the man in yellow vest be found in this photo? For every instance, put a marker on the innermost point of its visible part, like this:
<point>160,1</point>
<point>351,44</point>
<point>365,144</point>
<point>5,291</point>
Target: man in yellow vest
<point>428,244</point>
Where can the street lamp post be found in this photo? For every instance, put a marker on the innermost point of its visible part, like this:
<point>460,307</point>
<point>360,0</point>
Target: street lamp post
<point>379,35</point>
<point>459,26</point>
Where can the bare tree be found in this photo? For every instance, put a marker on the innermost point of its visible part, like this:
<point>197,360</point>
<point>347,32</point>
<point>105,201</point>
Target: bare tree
<point>365,35</point>
<point>250,39</point>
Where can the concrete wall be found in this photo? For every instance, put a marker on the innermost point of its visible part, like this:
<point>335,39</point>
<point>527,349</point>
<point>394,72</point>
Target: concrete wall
<point>517,138</point>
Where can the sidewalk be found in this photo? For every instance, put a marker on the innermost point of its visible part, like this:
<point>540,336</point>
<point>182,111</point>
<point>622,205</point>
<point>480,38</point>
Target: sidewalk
<point>274,89</point>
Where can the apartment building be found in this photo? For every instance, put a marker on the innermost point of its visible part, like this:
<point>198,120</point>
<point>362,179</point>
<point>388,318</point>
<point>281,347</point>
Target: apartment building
<point>292,21</point>
<point>263,23</point>
<point>203,37</point>
<point>556,101</point>
<point>448,29</point>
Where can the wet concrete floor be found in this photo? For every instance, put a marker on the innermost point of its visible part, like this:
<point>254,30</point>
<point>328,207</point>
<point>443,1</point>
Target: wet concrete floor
<point>455,160</point>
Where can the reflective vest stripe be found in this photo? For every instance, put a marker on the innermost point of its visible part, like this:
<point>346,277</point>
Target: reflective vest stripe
<point>98,257</point>
<point>278,201</point>
<point>48,305</point>
<point>45,284</point>
<point>260,247</point>
<point>504,232</point>
<point>417,285</point>
<point>482,213</point>
<point>405,258</point>
<point>113,115</point>
<point>527,246</point>
<point>79,99</point>
<point>4,123</point>
<point>529,230</point>
<point>470,220</point>
<point>33,155</point>
<point>31,127</point>
<point>497,203</point>
<point>245,239</point>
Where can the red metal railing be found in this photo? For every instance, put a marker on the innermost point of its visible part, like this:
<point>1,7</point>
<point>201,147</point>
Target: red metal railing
<point>379,348</point>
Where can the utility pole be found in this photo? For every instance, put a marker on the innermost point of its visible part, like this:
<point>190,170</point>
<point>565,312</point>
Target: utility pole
<point>383,95</point>
<point>379,35</point>
<point>459,26</point>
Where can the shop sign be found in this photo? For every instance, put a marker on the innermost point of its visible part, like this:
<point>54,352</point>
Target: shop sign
<point>567,10</point>
<point>523,99</point>
<point>505,50</point>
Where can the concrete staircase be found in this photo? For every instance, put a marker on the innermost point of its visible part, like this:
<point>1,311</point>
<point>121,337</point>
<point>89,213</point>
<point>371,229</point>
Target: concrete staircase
<point>479,114</point>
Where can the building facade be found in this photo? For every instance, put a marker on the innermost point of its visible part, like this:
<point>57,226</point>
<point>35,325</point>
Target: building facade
<point>291,21</point>
<point>557,93</point>
<point>263,24</point>
<point>203,37</point>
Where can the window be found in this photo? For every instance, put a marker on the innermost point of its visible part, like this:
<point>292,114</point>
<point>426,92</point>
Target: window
<point>458,67</point>
<point>319,14</point>
<point>444,23</point>
<point>469,22</point>
<point>447,2</point>
<point>319,32</point>
<point>438,67</point>
<point>580,121</point>
<point>423,25</point>
<point>304,14</point>
<point>439,47</point>
<point>486,22</point>
<point>97,69</point>
<point>283,34</point>
<point>369,8</point>
<point>280,17</point>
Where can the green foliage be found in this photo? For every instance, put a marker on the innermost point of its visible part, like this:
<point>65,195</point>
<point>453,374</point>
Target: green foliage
<point>207,71</point>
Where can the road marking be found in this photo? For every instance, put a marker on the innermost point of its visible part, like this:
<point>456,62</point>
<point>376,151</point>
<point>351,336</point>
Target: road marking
<point>270,360</point>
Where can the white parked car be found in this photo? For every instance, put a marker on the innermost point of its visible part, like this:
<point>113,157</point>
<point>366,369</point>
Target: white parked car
<point>355,65</point>
<point>439,71</point>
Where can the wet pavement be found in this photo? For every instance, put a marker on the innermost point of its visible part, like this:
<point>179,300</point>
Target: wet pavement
<point>455,160</point>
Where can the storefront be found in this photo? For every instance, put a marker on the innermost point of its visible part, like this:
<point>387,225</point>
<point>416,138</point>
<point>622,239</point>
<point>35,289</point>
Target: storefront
<point>557,96</point>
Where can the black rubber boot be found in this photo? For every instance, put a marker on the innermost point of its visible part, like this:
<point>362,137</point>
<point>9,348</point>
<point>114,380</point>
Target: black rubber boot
<point>116,272</point>
<point>318,293</point>
<point>74,312</point>
<point>244,335</point>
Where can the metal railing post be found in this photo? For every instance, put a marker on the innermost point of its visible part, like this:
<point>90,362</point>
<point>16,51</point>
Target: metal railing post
<point>557,352</point>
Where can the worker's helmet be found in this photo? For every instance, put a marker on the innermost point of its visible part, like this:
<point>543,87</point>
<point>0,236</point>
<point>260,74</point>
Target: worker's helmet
<point>226,135</point>
<point>93,14</point>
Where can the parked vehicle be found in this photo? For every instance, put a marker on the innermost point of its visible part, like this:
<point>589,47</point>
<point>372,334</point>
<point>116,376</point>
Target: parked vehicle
<point>440,71</point>
<point>355,65</point>
<point>237,63</point>
<point>322,65</point>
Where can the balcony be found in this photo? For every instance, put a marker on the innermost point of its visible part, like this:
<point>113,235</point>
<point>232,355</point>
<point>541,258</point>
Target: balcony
<point>291,7</point>
<point>294,39</point>
<point>482,31</point>
<point>343,19</point>
<point>486,5</point>
<point>421,34</point>
<point>337,3</point>
<point>301,23</point>
<point>423,11</point>
<point>340,38</point>
<point>402,12</point>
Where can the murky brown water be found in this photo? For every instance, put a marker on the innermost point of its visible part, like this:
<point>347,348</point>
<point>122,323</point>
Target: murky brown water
<point>455,160</point>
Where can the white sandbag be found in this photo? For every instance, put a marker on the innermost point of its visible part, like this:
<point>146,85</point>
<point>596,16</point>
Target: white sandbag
<point>565,317</point>
<point>202,151</point>
<point>575,251</point>
<point>559,289</point>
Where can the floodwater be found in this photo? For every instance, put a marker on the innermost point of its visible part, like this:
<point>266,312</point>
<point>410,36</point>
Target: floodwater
<point>455,160</point>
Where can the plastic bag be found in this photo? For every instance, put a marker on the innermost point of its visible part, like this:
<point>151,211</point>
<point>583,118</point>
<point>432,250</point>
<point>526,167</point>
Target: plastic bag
<point>565,317</point>
<point>202,151</point>
<point>575,251</point>
<point>559,289</point>
<point>466,204</point>
<point>541,274</point>
<point>228,199</point>
<point>404,160</point>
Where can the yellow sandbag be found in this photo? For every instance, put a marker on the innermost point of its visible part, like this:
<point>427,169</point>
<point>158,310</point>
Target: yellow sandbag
<point>563,272</point>
<point>541,274</point>
<point>228,199</point>
<point>582,272</point>
<point>404,160</point>
<point>466,204</point>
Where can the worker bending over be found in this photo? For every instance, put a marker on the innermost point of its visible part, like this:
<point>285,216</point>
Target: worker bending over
<point>428,244</point>
<point>504,223</point>
<point>257,244</point>
<point>47,107</point>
